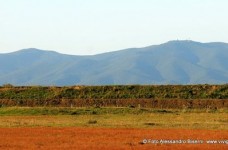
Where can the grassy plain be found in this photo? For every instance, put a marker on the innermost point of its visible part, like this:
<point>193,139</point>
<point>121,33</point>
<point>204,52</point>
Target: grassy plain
<point>111,128</point>
<point>114,118</point>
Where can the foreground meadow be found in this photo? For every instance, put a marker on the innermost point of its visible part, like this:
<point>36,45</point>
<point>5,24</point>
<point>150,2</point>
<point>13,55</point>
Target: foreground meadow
<point>113,118</point>
<point>112,128</point>
<point>107,138</point>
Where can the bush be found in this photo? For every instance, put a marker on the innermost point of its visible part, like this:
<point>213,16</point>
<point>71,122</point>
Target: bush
<point>92,121</point>
<point>7,85</point>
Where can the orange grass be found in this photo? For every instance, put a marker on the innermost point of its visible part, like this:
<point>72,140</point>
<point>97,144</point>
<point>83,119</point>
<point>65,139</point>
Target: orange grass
<point>104,138</point>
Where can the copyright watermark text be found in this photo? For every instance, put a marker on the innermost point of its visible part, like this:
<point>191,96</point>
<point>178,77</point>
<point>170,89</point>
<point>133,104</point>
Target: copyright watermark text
<point>181,141</point>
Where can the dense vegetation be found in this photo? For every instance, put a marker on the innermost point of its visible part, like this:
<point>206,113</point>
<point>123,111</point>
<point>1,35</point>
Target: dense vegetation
<point>147,96</point>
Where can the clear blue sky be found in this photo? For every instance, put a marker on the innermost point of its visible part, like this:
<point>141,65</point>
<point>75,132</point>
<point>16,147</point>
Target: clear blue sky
<point>95,26</point>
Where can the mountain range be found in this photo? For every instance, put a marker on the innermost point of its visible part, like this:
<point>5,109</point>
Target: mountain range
<point>174,62</point>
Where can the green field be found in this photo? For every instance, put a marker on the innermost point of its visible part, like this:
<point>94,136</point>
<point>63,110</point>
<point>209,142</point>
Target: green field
<point>114,117</point>
<point>147,96</point>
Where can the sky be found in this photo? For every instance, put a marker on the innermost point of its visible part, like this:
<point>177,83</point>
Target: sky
<point>87,27</point>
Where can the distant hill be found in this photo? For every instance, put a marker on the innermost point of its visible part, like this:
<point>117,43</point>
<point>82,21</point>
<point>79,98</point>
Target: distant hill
<point>174,62</point>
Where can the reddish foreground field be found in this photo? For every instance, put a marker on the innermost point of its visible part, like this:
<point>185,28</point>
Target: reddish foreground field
<point>106,138</point>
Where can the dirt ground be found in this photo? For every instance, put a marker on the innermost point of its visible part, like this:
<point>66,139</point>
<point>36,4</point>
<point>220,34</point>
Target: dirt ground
<point>109,138</point>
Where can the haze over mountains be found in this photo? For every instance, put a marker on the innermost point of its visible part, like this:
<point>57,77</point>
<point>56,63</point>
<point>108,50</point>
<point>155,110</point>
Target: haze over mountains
<point>174,62</point>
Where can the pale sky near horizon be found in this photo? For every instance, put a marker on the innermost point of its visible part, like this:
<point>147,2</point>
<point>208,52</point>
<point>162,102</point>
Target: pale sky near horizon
<point>84,27</point>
